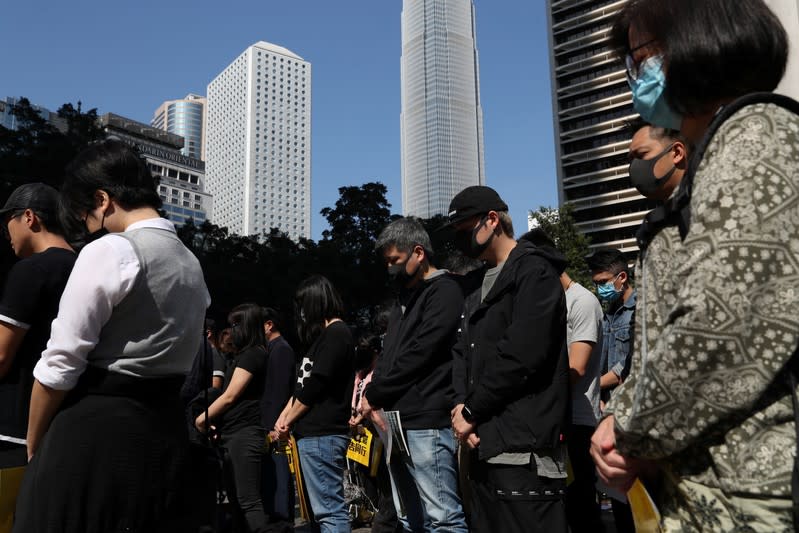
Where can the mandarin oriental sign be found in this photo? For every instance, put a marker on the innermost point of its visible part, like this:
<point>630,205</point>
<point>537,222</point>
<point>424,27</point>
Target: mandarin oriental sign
<point>167,155</point>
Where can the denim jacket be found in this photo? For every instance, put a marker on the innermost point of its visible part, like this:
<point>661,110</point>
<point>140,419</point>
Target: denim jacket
<point>617,336</point>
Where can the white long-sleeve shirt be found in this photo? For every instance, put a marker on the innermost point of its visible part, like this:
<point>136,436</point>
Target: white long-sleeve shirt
<point>104,274</point>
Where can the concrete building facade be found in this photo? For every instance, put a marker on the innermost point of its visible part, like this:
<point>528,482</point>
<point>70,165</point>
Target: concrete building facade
<point>181,177</point>
<point>592,104</point>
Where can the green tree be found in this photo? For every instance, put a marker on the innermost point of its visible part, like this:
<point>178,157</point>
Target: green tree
<point>347,247</point>
<point>559,224</point>
<point>37,150</point>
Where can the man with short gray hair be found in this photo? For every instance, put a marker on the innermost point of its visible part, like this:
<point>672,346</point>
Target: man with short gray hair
<point>414,376</point>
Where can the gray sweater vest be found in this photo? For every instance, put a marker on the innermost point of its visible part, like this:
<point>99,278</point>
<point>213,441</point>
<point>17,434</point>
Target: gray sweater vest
<point>156,329</point>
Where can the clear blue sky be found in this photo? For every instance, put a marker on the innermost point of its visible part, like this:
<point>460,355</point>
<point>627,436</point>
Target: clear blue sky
<point>128,57</point>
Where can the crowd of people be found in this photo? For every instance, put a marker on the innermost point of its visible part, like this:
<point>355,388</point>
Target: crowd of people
<point>518,391</point>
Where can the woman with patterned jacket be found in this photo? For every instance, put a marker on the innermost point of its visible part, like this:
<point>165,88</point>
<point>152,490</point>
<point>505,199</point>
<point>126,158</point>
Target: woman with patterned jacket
<point>708,403</point>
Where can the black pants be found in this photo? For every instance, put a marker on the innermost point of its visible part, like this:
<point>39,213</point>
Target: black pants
<point>277,492</point>
<point>385,520</point>
<point>510,499</point>
<point>582,507</point>
<point>622,516</point>
<point>244,455</point>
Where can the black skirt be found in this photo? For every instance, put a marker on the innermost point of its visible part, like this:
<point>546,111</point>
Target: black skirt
<point>111,461</point>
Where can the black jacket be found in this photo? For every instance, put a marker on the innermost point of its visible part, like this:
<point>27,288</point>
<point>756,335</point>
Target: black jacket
<point>510,365</point>
<point>414,373</point>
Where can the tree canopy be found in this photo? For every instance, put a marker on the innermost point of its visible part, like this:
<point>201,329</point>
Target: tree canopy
<point>559,224</point>
<point>265,268</point>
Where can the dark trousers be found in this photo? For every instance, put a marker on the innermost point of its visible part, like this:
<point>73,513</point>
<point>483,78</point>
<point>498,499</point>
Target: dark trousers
<point>385,520</point>
<point>277,492</point>
<point>244,455</point>
<point>622,516</point>
<point>511,498</point>
<point>582,507</point>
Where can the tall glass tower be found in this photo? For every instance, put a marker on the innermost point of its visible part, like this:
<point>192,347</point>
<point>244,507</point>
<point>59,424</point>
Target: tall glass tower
<point>441,120</point>
<point>186,118</point>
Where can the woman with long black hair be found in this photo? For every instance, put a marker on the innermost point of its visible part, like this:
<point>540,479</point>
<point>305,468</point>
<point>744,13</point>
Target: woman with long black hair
<point>237,412</point>
<point>106,436</point>
<point>320,408</point>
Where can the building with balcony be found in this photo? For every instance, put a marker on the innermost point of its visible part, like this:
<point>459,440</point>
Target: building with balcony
<point>592,105</point>
<point>181,177</point>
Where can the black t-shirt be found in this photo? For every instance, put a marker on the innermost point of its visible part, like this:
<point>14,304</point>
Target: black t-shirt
<point>325,381</point>
<point>247,409</point>
<point>30,300</point>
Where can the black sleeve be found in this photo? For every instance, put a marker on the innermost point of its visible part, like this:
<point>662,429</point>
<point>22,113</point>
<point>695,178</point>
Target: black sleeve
<point>440,314</point>
<point>22,293</point>
<point>330,356</point>
<point>628,360</point>
<point>527,344</point>
<point>460,370</point>
<point>253,360</point>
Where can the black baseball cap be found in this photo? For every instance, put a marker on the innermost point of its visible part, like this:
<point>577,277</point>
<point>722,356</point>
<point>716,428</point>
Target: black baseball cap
<point>474,200</point>
<point>37,196</point>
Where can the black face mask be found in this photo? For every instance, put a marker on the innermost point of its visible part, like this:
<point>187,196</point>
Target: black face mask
<point>642,173</point>
<point>466,241</point>
<point>94,235</point>
<point>399,275</point>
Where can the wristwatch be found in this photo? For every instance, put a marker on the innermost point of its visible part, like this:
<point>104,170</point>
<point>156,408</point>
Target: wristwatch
<point>467,414</point>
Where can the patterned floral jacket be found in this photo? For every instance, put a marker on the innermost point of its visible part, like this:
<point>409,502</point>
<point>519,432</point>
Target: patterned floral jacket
<point>718,319</point>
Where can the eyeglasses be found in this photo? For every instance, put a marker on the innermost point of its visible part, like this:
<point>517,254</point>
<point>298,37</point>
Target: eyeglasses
<point>633,66</point>
<point>599,282</point>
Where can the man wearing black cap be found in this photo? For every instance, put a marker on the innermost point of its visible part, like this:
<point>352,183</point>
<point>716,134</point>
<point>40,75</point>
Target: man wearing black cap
<point>511,372</point>
<point>28,305</point>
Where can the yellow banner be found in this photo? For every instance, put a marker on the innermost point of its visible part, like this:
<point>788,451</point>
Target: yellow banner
<point>645,514</point>
<point>360,447</point>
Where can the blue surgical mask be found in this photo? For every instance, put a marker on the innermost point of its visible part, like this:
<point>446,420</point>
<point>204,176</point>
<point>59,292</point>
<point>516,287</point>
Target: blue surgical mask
<point>648,98</point>
<point>608,292</point>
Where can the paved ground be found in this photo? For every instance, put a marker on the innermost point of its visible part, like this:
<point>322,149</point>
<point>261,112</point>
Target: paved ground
<point>607,520</point>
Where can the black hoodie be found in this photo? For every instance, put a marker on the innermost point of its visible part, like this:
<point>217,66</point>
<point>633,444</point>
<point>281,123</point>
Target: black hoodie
<point>511,366</point>
<point>414,373</point>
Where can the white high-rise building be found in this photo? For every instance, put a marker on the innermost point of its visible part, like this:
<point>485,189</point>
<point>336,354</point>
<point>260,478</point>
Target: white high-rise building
<point>442,120</point>
<point>258,143</point>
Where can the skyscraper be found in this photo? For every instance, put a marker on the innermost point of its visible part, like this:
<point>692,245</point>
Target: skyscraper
<point>184,117</point>
<point>441,120</point>
<point>258,143</point>
<point>592,103</point>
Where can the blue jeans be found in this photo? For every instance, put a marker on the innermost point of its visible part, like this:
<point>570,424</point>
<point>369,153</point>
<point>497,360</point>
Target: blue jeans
<point>426,484</point>
<point>323,460</point>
